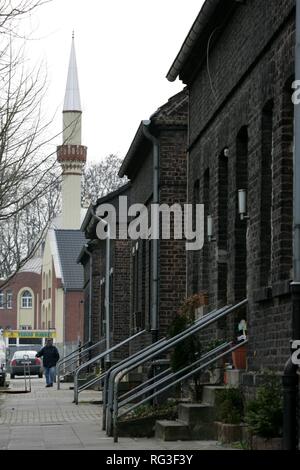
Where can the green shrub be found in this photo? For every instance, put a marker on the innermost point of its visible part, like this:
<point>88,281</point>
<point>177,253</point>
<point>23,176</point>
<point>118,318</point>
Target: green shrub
<point>185,352</point>
<point>230,406</point>
<point>264,415</point>
<point>164,411</point>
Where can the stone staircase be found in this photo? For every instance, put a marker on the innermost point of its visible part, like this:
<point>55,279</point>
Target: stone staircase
<point>195,421</point>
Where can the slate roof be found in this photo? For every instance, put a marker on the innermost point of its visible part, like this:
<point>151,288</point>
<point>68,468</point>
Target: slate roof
<point>69,246</point>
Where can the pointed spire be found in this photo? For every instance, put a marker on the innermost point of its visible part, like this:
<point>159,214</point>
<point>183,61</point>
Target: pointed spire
<point>72,96</point>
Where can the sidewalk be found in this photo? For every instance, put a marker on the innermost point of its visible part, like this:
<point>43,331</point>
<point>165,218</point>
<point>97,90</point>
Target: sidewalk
<point>47,419</point>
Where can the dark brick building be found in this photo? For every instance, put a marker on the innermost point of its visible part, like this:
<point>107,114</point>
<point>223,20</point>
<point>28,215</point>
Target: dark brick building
<point>238,65</point>
<point>93,259</point>
<point>169,126</point>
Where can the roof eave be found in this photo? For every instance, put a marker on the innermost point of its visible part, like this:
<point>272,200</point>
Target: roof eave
<point>134,147</point>
<point>199,24</point>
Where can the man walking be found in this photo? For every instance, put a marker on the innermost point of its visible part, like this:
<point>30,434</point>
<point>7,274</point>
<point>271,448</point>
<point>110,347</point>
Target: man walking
<point>50,356</point>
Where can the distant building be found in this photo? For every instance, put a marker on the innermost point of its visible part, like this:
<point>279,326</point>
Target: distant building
<point>62,277</point>
<point>93,258</point>
<point>47,294</point>
<point>20,298</point>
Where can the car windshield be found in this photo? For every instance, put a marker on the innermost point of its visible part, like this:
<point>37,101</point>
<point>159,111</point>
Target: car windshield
<point>21,354</point>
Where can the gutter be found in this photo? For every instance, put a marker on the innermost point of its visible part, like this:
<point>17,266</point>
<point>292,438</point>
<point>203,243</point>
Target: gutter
<point>156,233</point>
<point>202,21</point>
<point>195,32</point>
<point>107,284</point>
<point>90,255</point>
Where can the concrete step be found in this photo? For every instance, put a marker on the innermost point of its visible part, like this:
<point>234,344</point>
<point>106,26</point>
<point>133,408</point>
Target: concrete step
<point>193,414</point>
<point>209,394</point>
<point>180,431</point>
<point>172,431</point>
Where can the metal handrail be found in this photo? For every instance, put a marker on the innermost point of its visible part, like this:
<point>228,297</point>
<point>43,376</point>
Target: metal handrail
<point>100,377</point>
<point>106,380</point>
<point>164,389</point>
<point>134,394</point>
<point>157,350</point>
<point>27,373</point>
<point>97,359</point>
<point>73,352</point>
<point>78,354</point>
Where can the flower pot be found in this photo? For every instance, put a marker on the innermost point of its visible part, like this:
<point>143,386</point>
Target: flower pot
<point>239,358</point>
<point>228,433</point>
<point>261,443</point>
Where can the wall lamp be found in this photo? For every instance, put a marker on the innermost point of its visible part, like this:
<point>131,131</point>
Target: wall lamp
<point>243,204</point>
<point>226,152</point>
<point>210,229</point>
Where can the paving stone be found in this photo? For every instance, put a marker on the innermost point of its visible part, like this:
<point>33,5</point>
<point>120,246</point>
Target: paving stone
<point>49,420</point>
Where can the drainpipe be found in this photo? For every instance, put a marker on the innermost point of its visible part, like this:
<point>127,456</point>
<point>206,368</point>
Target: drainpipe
<point>290,377</point>
<point>155,253</point>
<point>107,286</point>
<point>90,293</point>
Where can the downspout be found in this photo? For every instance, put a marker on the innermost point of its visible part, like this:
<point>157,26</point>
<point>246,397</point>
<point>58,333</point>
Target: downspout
<point>155,252</point>
<point>64,320</point>
<point>107,286</point>
<point>290,377</point>
<point>90,294</point>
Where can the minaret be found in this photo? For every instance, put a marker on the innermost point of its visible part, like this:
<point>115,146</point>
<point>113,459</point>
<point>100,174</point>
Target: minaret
<point>72,155</point>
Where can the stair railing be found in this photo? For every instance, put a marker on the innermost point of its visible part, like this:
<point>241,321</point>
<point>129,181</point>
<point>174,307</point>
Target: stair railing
<point>195,370</point>
<point>72,359</point>
<point>133,363</point>
<point>154,351</point>
<point>97,359</point>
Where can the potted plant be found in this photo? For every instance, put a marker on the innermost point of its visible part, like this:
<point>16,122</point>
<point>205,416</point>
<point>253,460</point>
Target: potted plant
<point>230,415</point>
<point>239,356</point>
<point>264,415</point>
<point>187,351</point>
<point>216,369</point>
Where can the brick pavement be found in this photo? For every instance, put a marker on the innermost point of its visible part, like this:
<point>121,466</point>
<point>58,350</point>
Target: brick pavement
<point>46,419</point>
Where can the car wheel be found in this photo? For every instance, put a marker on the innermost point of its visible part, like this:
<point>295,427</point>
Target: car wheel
<point>2,381</point>
<point>40,375</point>
<point>12,376</point>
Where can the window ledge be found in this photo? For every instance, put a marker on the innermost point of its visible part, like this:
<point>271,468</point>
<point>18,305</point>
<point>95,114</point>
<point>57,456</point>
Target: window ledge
<point>281,288</point>
<point>262,294</point>
<point>278,289</point>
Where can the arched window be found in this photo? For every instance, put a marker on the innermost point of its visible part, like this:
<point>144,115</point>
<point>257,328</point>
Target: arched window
<point>26,299</point>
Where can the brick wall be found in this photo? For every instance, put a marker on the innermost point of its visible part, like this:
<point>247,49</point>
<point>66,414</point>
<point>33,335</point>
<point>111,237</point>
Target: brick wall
<point>8,317</point>
<point>73,316</point>
<point>250,112</point>
<point>172,136</point>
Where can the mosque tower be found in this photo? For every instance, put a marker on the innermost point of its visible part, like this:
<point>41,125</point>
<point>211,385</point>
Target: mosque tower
<point>72,155</point>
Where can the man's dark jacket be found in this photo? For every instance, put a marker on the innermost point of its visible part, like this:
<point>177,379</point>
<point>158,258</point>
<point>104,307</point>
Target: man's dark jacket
<point>50,356</point>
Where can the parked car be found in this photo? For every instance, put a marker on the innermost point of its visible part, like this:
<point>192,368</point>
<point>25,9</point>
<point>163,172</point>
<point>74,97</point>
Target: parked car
<point>2,370</point>
<point>2,362</point>
<point>20,358</point>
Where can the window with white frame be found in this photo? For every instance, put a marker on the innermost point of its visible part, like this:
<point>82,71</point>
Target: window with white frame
<point>26,299</point>
<point>9,300</point>
<point>2,300</point>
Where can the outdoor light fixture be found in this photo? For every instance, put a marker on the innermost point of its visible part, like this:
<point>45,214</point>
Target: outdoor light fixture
<point>226,152</point>
<point>243,204</point>
<point>210,229</point>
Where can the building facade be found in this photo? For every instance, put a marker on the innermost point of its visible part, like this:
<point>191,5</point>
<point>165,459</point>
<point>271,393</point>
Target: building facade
<point>156,296</point>
<point>20,298</point>
<point>239,68</point>
<point>93,257</point>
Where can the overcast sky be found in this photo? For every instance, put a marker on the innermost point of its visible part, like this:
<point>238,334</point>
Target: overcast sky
<point>124,49</point>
